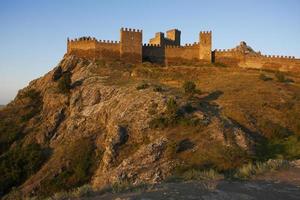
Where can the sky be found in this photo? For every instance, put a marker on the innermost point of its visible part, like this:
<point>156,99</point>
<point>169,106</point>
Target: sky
<point>33,33</point>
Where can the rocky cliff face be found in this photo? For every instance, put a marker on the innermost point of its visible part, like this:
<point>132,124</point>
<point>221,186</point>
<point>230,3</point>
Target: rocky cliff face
<point>115,119</point>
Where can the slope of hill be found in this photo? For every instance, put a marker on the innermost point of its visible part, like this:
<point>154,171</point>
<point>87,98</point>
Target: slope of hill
<point>107,123</point>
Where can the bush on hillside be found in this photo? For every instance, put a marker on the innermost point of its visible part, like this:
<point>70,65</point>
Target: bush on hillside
<point>263,77</point>
<point>189,87</point>
<point>9,132</point>
<point>170,118</point>
<point>142,86</point>
<point>174,116</point>
<point>64,83</point>
<point>18,164</point>
<point>280,77</point>
<point>287,148</point>
<point>157,88</point>
<point>34,105</point>
<point>82,159</point>
<point>273,130</point>
<point>172,108</point>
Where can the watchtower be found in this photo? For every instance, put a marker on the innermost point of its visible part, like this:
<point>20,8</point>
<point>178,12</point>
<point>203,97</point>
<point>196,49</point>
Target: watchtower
<point>205,46</point>
<point>174,36</point>
<point>131,45</point>
<point>159,39</point>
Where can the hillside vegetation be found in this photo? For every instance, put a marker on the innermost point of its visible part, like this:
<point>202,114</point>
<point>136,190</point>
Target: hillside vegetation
<point>107,124</point>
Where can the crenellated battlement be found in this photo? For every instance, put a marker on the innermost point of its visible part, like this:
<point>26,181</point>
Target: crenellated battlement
<point>191,45</point>
<point>108,41</point>
<point>278,56</point>
<point>256,54</point>
<point>224,50</point>
<point>188,45</point>
<point>131,30</point>
<point>83,39</point>
<point>166,47</point>
<point>205,32</point>
<point>151,45</point>
<point>174,46</point>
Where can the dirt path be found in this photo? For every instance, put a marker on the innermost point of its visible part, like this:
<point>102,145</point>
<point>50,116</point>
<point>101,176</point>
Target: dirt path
<point>274,185</point>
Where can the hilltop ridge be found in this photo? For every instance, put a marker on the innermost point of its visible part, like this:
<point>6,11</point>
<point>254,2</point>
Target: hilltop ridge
<point>107,122</point>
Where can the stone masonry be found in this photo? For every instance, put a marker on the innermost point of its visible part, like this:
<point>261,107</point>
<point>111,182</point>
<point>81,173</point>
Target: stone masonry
<point>168,50</point>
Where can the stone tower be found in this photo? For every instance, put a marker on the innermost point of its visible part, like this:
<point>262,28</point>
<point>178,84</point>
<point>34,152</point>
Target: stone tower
<point>131,45</point>
<point>159,39</point>
<point>174,35</point>
<point>205,46</point>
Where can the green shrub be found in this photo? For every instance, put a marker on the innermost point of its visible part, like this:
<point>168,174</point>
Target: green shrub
<point>32,94</point>
<point>280,77</point>
<point>173,116</point>
<point>274,130</point>
<point>228,158</point>
<point>188,108</point>
<point>189,87</point>
<point>34,105</point>
<point>172,108</point>
<point>81,156</point>
<point>159,122</point>
<point>30,114</point>
<point>12,120</point>
<point>263,77</point>
<point>64,83</point>
<point>287,148</point>
<point>153,109</point>
<point>184,145</point>
<point>18,164</point>
<point>10,132</point>
<point>220,65</point>
<point>142,86</point>
<point>268,149</point>
<point>157,88</point>
<point>100,63</point>
<point>57,73</point>
<point>292,147</point>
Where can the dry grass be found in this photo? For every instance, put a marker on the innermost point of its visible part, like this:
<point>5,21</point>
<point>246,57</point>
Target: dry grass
<point>252,169</point>
<point>243,98</point>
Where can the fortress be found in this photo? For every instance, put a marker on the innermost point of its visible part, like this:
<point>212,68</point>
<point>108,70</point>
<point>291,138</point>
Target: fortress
<point>168,49</point>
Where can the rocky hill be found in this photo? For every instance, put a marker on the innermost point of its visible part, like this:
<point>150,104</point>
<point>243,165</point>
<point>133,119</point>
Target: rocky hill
<point>104,123</point>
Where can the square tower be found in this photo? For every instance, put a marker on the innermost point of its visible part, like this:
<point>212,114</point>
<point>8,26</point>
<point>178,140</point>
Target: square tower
<point>159,39</point>
<point>131,45</point>
<point>174,35</point>
<point>205,46</point>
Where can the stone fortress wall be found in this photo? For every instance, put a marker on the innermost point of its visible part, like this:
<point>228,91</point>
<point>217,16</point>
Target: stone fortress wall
<point>161,49</point>
<point>244,56</point>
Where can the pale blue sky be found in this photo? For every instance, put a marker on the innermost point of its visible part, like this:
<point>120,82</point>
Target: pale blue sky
<point>33,33</point>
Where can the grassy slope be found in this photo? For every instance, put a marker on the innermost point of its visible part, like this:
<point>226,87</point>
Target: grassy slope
<point>239,93</point>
